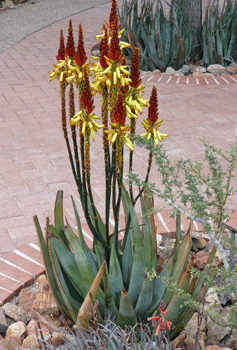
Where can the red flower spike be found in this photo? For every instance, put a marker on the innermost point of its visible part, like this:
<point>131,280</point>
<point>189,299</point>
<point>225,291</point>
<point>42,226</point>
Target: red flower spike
<point>135,69</point>
<point>113,18</point>
<point>80,56</point>
<point>153,107</point>
<point>119,115</point>
<point>104,48</point>
<point>86,96</point>
<point>61,50</point>
<point>70,48</point>
<point>115,52</point>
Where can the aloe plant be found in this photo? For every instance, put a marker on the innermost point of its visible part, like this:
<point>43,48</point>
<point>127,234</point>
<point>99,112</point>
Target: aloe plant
<point>219,40</point>
<point>113,272</point>
<point>163,40</point>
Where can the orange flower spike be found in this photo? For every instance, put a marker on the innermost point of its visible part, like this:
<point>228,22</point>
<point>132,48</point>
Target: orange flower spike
<point>153,107</point>
<point>61,50</point>
<point>113,18</point>
<point>70,48</point>
<point>104,48</point>
<point>80,55</point>
<point>135,70</point>
<point>86,96</point>
<point>115,52</point>
<point>119,111</point>
<point>160,319</point>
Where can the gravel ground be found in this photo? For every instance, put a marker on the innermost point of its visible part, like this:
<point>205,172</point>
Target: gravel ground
<point>32,16</point>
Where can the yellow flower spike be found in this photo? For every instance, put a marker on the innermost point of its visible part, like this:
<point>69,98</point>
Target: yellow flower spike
<point>125,71</point>
<point>124,45</point>
<point>95,58</point>
<point>118,72</point>
<point>114,137</point>
<point>121,31</point>
<point>128,143</point>
<point>61,77</point>
<point>83,128</point>
<point>122,81</point>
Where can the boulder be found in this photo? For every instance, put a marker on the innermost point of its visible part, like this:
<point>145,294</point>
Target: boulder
<point>16,331</point>
<point>16,313</point>
<point>201,258</point>
<point>216,332</point>
<point>39,297</point>
<point>191,330</point>
<point>170,70</point>
<point>216,69</point>
<point>31,342</point>
<point>186,70</point>
<point>5,4</point>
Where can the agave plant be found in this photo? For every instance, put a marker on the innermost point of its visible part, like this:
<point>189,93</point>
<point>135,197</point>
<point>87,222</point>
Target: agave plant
<point>113,272</point>
<point>163,40</point>
<point>219,40</point>
<point>123,289</point>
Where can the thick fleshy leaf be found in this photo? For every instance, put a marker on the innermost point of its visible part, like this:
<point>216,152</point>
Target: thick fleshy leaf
<point>145,299</point>
<point>126,315</point>
<point>115,276</point>
<point>49,268</point>
<point>81,260</point>
<point>85,312</point>
<point>71,303</point>
<point>149,236</point>
<point>137,272</point>
<point>110,307</point>
<point>127,261</point>
<point>89,254</point>
<point>181,262</point>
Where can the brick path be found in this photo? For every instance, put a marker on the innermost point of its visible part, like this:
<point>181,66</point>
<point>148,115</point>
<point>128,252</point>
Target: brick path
<point>33,157</point>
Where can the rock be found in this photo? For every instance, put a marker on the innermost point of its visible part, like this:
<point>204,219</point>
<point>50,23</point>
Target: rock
<point>211,299</point>
<point>186,70</point>
<point>159,240</point>
<point>191,330</point>
<point>157,71</point>
<point>196,69</point>
<point>16,331</point>
<point>15,312</point>
<point>9,344</point>
<point>39,297</point>
<point>215,69</point>
<point>33,329</point>
<point>57,339</point>
<point>234,65</point>
<point>170,70</point>
<point>215,347</point>
<point>3,322</point>
<point>31,342</point>
<point>198,74</point>
<point>198,243</point>
<point>5,4</point>
<point>178,73</point>
<point>95,51</point>
<point>230,70</point>
<point>201,258</point>
<point>215,332</point>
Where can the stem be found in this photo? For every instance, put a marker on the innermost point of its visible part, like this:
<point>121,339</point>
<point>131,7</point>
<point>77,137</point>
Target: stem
<point>147,176</point>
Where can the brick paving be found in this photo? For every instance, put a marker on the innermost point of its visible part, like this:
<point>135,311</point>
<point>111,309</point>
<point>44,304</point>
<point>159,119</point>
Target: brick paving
<point>33,157</point>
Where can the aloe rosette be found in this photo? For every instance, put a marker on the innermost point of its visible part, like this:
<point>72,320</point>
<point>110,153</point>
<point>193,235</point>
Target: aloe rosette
<point>114,271</point>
